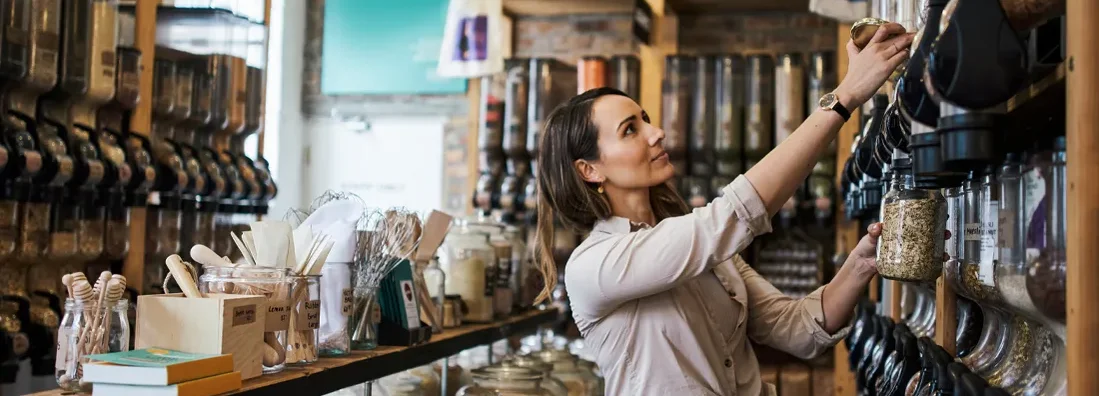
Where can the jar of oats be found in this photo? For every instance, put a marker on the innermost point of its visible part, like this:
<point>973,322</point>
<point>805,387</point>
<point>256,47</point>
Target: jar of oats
<point>913,228</point>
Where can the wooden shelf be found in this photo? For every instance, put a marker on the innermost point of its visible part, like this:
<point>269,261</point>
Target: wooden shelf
<point>332,374</point>
<point>566,7</point>
<point>726,6</point>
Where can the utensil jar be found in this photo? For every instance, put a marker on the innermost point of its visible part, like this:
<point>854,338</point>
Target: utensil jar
<point>273,283</point>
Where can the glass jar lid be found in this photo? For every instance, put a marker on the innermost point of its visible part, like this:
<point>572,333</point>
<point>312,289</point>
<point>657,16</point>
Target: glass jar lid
<point>507,373</point>
<point>555,356</point>
<point>529,363</point>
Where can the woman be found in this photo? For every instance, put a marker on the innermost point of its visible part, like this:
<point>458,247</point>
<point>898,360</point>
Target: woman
<point>660,294</point>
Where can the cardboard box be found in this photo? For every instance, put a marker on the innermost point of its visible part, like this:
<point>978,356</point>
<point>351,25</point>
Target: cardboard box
<point>217,324</point>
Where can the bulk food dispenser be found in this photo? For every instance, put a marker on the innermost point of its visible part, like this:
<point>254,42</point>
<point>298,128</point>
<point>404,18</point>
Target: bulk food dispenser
<point>111,139</point>
<point>28,67</point>
<point>165,202</point>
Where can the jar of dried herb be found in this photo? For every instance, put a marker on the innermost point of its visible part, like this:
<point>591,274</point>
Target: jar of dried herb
<point>913,224</point>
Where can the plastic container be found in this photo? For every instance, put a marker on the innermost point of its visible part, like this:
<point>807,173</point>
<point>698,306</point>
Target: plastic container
<point>273,283</point>
<point>913,225</point>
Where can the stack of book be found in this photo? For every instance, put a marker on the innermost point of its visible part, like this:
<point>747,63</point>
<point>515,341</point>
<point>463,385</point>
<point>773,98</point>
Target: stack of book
<point>156,372</point>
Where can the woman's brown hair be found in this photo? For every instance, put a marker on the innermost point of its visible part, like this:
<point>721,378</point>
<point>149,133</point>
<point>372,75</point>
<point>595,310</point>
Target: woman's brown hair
<point>569,135</point>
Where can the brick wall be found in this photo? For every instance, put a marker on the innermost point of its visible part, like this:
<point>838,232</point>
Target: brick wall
<point>564,37</point>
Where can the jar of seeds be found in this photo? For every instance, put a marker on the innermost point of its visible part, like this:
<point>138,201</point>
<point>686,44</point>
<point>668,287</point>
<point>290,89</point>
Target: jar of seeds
<point>913,224</point>
<point>979,253</point>
<point>1045,281</point>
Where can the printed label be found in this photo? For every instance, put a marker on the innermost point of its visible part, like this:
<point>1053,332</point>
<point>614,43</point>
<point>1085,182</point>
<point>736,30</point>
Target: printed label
<point>990,250</point>
<point>973,232</point>
<point>1034,221</point>
<point>951,221</point>
<point>308,315</point>
<point>490,280</point>
<point>1007,230</point>
<point>278,316</point>
<point>411,309</point>
<point>348,301</point>
<point>245,314</point>
<point>503,272</point>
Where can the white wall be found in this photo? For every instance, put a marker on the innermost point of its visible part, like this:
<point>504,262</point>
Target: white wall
<point>284,138</point>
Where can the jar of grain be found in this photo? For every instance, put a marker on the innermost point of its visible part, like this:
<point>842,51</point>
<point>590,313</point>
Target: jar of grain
<point>913,225</point>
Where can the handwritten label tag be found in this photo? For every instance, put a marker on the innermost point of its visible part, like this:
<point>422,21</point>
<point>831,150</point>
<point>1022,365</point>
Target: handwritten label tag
<point>308,315</point>
<point>348,301</point>
<point>245,314</point>
<point>62,348</point>
<point>278,316</point>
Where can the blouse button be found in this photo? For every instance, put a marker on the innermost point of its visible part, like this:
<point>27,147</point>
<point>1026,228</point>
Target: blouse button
<point>728,362</point>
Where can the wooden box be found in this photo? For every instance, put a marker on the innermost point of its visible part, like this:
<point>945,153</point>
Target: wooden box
<point>218,324</point>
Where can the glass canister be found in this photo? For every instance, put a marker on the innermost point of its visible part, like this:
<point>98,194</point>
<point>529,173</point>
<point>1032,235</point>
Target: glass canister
<point>305,319</point>
<point>1012,269</point>
<point>955,223</point>
<point>337,298</point>
<point>64,217</point>
<point>1046,280</point>
<point>88,330</point>
<point>273,283</point>
<point>90,228</point>
<point>578,381</point>
<point>471,271</point>
<point>976,269</point>
<point>505,381</point>
<point>913,225</point>
<point>435,280</point>
<point>552,385</point>
<point>515,278</point>
<point>116,236</point>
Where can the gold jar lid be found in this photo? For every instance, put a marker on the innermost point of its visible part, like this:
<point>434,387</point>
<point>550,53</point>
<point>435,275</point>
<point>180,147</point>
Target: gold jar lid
<point>863,30</point>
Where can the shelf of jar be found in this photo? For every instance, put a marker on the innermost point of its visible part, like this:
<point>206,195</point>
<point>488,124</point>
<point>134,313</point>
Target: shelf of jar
<point>332,374</point>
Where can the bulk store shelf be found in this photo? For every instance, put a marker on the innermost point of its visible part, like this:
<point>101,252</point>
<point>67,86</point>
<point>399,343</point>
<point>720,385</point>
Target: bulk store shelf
<point>332,374</point>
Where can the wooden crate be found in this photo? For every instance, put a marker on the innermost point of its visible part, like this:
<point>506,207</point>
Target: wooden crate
<point>218,324</point>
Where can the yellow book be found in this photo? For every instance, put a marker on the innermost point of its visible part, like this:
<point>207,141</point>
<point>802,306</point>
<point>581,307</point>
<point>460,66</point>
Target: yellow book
<point>208,386</point>
<point>154,366</point>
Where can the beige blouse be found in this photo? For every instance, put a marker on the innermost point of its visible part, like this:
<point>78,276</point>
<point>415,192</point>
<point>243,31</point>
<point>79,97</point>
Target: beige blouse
<point>646,302</point>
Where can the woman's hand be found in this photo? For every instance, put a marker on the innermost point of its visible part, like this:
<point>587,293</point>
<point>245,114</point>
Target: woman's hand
<point>868,68</point>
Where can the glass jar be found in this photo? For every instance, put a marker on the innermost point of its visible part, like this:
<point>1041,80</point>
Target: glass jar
<point>64,217</point>
<point>994,344</point>
<point>1012,269</point>
<point>1046,280</point>
<point>504,381</point>
<point>90,229</point>
<point>976,270</point>
<point>365,316</point>
<point>435,280</point>
<point>87,330</point>
<point>34,234</point>
<point>578,381</point>
<point>955,223</point>
<point>470,271</point>
<point>502,298</point>
<point>337,298</point>
<point>9,227</point>
<point>305,319</point>
<point>913,224</point>
<point>552,385</point>
<point>116,236</point>
<point>515,278</point>
<point>274,284</point>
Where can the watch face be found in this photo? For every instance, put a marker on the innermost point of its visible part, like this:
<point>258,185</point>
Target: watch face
<point>827,101</point>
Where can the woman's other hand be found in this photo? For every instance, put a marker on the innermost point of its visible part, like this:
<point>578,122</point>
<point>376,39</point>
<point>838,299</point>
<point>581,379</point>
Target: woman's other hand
<point>867,69</point>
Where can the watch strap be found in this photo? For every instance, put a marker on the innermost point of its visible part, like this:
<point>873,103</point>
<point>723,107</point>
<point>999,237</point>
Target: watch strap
<point>841,110</point>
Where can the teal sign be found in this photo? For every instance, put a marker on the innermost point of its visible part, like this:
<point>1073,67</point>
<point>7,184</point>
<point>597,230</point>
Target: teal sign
<point>384,47</point>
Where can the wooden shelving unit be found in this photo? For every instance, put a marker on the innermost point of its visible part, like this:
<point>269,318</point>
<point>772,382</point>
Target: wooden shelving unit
<point>1073,86</point>
<point>332,374</point>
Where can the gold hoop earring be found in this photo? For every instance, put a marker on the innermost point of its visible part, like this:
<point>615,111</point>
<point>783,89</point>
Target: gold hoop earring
<point>600,189</point>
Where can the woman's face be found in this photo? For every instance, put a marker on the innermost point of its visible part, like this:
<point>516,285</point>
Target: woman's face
<point>631,151</point>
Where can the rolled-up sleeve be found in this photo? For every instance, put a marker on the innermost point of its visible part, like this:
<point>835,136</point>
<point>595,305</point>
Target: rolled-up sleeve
<point>784,323</point>
<point>606,271</point>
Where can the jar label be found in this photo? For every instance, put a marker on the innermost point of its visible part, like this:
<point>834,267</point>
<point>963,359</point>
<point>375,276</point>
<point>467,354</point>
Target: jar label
<point>348,301</point>
<point>990,250</point>
<point>278,316</point>
<point>1007,230</point>
<point>972,232</point>
<point>490,280</point>
<point>503,270</point>
<point>245,314</point>
<point>1033,218</point>
<point>62,348</point>
<point>308,315</point>
<point>952,222</point>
